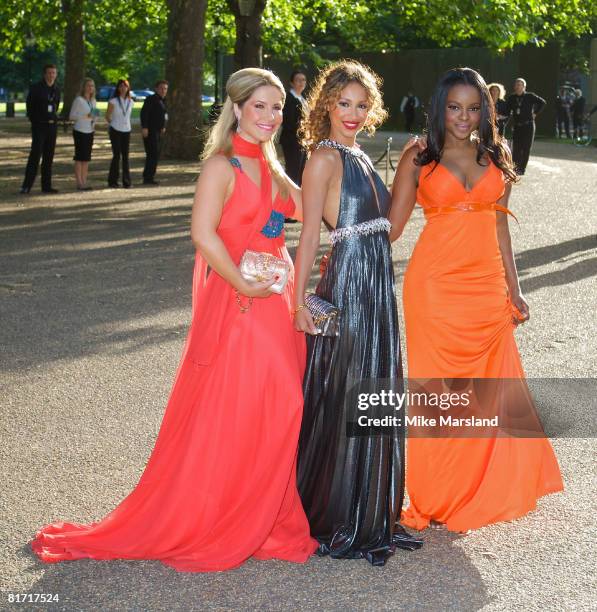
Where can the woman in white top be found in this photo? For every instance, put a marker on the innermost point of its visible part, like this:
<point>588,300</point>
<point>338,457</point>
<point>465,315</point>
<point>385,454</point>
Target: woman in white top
<point>118,116</point>
<point>84,113</point>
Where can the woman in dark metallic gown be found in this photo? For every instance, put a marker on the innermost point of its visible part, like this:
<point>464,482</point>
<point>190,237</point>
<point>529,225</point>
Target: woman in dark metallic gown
<point>351,482</point>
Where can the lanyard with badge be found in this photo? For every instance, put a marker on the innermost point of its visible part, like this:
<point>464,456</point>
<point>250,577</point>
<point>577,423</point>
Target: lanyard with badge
<point>163,105</point>
<point>92,110</point>
<point>125,109</point>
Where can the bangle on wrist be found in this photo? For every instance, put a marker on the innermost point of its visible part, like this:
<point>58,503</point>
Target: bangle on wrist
<point>299,307</point>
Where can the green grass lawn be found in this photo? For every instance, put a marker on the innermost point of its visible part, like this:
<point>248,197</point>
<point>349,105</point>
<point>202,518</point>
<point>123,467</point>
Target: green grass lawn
<point>102,106</point>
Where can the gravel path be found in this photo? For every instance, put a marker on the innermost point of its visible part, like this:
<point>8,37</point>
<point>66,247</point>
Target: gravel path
<point>94,307</point>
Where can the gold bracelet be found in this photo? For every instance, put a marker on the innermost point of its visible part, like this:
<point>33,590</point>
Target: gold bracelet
<point>299,307</point>
<point>243,308</point>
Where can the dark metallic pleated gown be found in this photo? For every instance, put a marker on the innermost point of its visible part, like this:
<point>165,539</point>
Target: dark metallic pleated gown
<point>352,487</point>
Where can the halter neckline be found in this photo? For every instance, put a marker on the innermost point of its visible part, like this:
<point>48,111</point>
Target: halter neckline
<point>245,148</point>
<point>328,142</point>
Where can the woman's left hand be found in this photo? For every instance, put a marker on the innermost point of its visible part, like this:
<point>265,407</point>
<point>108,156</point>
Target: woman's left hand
<point>521,309</point>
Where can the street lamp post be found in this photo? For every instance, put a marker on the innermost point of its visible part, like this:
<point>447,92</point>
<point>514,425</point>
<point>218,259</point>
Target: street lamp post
<point>246,7</point>
<point>216,107</point>
<point>29,43</point>
<point>217,24</point>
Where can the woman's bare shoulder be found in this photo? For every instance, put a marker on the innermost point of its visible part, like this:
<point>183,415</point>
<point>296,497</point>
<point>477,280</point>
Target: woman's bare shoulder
<point>218,165</point>
<point>216,176</point>
<point>323,162</point>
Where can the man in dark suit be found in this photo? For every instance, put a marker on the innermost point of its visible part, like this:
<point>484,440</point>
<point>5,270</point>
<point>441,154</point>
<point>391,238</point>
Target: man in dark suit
<point>524,106</point>
<point>563,113</point>
<point>43,101</point>
<point>578,113</point>
<point>153,124</point>
<point>294,154</point>
<point>408,107</point>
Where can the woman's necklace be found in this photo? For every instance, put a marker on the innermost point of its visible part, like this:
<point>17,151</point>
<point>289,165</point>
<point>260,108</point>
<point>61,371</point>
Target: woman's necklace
<point>123,107</point>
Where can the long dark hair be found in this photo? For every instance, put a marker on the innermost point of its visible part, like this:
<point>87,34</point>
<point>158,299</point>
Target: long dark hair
<point>122,82</point>
<point>489,143</point>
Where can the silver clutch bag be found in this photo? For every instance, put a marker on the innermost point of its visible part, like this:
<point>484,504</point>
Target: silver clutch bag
<point>257,266</point>
<point>326,316</point>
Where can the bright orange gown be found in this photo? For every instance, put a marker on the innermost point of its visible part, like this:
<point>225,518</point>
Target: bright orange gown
<point>220,485</point>
<point>459,325</point>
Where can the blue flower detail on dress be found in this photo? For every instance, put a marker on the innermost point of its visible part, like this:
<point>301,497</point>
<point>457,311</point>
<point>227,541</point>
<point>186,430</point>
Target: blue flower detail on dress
<point>235,163</point>
<point>274,226</point>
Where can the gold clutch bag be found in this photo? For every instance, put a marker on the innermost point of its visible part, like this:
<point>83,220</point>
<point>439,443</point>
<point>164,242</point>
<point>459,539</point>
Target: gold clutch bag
<point>257,266</point>
<point>326,316</point>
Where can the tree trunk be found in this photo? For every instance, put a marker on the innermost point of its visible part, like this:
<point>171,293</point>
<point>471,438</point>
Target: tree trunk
<point>74,52</point>
<point>184,71</point>
<point>248,46</point>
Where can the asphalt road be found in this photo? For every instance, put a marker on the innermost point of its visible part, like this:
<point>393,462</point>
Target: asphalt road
<point>94,307</point>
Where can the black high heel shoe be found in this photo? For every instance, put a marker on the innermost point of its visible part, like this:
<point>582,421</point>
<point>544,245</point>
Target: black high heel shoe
<point>378,556</point>
<point>403,539</point>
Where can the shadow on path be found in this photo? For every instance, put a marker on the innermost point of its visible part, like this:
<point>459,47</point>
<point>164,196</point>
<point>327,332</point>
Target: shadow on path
<point>83,279</point>
<point>77,280</point>
<point>573,258</point>
<point>563,150</point>
<point>438,577</point>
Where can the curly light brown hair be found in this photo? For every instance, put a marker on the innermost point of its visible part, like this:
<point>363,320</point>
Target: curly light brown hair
<point>327,90</point>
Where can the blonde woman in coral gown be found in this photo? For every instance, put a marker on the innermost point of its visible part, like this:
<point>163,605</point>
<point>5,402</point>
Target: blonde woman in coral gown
<point>220,485</point>
<point>462,302</point>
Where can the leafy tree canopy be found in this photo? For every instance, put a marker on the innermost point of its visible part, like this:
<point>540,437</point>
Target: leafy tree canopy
<point>120,36</point>
<point>303,26</point>
<point>123,36</point>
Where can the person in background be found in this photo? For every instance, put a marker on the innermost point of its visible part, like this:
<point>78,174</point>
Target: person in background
<point>43,101</point>
<point>153,124</point>
<point>294,154</point>
<point>84,113</point>
<point>498,95</point>
<point>563,113</point>
<point>409,104</point>
<point>578,113</point>
<point>524,106</point>
<point>118,117</point>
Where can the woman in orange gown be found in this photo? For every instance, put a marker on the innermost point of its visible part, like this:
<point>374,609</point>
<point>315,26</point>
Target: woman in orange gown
<point>462,302</point>
<point>220,485</point>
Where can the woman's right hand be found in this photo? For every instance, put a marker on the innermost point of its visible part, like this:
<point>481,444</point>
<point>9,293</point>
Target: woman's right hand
<point>257,289</point>
<point>415,141</point>
<point>303,322</point>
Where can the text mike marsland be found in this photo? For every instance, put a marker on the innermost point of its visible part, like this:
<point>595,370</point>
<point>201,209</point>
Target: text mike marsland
<point>421,421</point>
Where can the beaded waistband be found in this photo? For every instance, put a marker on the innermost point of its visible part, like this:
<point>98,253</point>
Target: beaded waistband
<point>381,224</point>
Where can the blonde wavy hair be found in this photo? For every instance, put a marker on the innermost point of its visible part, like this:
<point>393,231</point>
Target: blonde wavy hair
<point>326,92</point>
<point>84,84</point>
<point>501,90</point>
<point>239,89</point>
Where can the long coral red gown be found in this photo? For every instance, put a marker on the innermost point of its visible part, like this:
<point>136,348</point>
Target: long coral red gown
<point>459,325</point>
<point>220,485</point>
